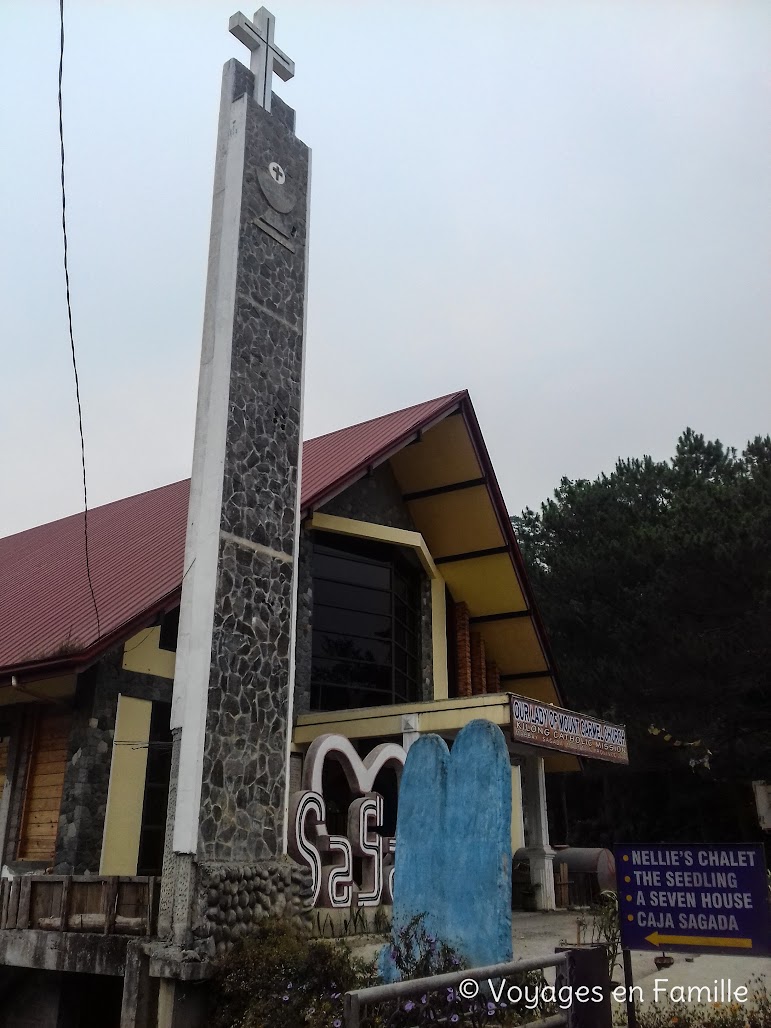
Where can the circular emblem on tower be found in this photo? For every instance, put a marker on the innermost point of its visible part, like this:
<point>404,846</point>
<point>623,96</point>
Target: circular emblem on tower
<point>277,173</point>
<point>276,185</point>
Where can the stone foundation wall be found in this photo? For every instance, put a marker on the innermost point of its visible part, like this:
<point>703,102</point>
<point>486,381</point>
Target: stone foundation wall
<point>236,898</point>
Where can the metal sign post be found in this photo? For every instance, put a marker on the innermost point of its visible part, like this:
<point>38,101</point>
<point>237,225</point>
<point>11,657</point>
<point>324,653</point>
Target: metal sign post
<point>631,1013</point>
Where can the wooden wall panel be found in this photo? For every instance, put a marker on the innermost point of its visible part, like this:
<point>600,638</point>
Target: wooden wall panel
<point>45,782</point>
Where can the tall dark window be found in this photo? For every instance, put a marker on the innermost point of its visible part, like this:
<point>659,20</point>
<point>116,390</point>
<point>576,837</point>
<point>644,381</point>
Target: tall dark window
<point>366,624</point>
<point>169,631</point>
<point>153,828</point>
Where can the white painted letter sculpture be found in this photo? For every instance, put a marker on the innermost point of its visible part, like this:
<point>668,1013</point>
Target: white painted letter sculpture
<point>330,857</point>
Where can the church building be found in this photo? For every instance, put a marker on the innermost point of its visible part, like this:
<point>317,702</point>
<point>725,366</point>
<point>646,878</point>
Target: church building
<point>210,729</point>
<point>414,614</point>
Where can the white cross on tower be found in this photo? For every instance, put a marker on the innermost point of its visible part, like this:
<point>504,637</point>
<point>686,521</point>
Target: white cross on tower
<point>266,56</point>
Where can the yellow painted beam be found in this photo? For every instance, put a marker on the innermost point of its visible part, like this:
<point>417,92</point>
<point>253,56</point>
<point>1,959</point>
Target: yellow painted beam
<point>439,638</point>
<point>322,717</point>
<point>442,716</point>
<point>142,654</point>
<point>125,796</point>
<point>378,533</point>
<point>363,728</point>
<point>445,715</point>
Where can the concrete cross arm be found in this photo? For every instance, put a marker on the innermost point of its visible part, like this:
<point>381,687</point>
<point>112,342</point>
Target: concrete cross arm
<point>282,65</point>
<point>240,26</point>
<point>257,35</point>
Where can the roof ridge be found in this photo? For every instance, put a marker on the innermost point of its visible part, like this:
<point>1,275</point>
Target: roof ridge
<point>389,414</point>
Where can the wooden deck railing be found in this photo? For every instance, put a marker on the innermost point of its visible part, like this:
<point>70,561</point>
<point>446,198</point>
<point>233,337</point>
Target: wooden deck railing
<point>80,903</point>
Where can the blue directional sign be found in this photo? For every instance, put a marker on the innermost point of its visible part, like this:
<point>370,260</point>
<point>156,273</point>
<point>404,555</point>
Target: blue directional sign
<point>703,899</point>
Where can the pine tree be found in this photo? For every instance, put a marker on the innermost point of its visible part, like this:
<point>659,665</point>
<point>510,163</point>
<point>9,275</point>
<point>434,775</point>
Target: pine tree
<point>655,586</point>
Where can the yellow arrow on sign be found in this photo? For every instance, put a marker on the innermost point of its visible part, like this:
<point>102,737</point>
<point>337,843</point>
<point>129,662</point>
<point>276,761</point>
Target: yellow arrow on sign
<point>697,940</point>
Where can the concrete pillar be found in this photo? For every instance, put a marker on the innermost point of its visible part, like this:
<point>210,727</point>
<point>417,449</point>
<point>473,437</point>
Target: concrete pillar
<point>181,1004</point>
<point>140,991</point>
<point>410,730</point>
<point>517,818</point>
<point>540,853</point>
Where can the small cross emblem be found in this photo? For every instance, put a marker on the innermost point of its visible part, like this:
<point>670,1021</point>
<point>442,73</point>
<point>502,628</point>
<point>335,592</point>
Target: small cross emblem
<point>277,173</point>
<point>266,56</point>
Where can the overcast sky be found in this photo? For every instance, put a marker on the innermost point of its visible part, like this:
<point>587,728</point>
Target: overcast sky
<point>563,207</point>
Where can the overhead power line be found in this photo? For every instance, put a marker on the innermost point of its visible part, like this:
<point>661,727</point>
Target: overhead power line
<point>69,321</point>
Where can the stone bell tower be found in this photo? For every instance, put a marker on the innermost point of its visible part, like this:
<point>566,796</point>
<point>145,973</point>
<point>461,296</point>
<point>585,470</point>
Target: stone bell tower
<point>232,701</point>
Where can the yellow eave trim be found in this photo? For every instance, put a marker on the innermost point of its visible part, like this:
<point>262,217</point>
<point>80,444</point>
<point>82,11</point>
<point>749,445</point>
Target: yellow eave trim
<point>379,533</point>
<point>439,715</point>
<point>446,715</point>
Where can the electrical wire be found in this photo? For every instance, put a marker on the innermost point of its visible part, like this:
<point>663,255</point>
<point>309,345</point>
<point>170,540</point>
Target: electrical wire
<point>69,320</point>
<point>146,636</point>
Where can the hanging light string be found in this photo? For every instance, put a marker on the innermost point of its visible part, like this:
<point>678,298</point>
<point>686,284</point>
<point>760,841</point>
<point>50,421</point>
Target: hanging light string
<point>69,320</point>
<point>666,736</point>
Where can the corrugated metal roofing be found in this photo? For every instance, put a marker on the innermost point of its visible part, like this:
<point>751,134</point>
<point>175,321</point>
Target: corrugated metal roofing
<point>136,548</point>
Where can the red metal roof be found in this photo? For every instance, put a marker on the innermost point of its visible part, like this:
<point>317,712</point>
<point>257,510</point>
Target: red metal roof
<point>136,547</point>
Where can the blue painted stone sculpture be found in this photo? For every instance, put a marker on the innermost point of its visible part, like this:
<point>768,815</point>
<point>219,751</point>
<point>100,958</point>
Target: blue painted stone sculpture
<point>453,844</point>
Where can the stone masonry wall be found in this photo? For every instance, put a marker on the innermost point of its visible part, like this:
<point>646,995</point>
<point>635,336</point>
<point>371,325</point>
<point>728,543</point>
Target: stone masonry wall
<point>235,898</point>
<point>87,776</point>
<point>376,498</point>
<point>304,628</point>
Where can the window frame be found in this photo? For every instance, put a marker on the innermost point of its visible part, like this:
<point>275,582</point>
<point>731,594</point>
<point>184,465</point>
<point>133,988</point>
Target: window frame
<point>404,640</point>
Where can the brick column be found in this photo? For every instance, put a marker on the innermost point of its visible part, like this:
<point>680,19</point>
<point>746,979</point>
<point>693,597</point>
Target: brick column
<point>493,677</point>
<point>463,649</point>
<point>478,665</point>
